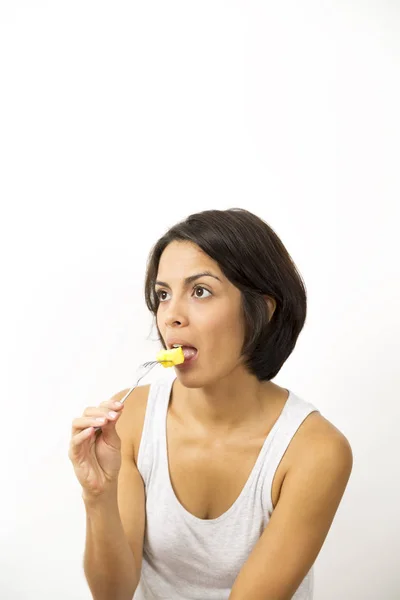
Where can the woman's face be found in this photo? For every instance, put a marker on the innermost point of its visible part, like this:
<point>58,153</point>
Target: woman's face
<point>204,312</point>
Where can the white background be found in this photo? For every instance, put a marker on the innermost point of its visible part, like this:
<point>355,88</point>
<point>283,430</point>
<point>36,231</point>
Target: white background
<point>117,119</point>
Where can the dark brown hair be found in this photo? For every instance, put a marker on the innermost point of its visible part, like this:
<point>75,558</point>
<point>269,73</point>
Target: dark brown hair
<point>254,259</point>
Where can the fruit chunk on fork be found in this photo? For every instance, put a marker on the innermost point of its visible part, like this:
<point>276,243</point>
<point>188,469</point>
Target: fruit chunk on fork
<point>170,358</point>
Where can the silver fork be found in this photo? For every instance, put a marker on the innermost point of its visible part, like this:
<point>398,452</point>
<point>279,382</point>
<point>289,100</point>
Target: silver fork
<point>143,370</point>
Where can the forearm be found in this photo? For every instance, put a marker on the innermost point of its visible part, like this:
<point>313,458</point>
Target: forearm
<point>109,563</point>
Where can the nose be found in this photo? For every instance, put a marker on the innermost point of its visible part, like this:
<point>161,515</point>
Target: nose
<point>175,315</point>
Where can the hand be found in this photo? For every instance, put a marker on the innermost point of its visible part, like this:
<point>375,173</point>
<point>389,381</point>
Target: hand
<point>96,455</point>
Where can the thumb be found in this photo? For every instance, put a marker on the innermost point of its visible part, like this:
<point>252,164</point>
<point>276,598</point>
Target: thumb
<point>110,435</point>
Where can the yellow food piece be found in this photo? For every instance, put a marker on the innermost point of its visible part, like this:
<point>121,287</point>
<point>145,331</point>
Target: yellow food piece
<point>170,358</point>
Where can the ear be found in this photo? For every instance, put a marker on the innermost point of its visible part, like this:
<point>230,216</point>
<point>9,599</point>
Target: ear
<point>271,302</point>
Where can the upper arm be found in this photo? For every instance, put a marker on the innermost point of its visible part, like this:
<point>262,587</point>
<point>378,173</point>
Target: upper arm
<point>131,493</point>
<point>309,498</point>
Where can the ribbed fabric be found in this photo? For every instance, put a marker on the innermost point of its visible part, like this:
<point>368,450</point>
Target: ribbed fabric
<point>187,558</point>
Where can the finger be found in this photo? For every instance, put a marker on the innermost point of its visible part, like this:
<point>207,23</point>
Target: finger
<point>77,441</point>
<point>109,433</point>
<point>109,424</point>
<point>83,422</point>
<point>103,407</point>
<point>112,403</point>
<point>100,411</point>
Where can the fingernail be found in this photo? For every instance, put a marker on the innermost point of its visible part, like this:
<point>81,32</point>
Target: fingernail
<point>112,414</point>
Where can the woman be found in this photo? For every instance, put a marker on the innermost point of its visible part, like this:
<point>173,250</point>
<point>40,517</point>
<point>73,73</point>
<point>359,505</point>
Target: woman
<point>215,483</point>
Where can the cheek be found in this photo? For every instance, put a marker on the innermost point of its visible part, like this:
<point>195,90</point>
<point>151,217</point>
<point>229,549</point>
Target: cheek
<point>160,322</point>
<point>224,327</point>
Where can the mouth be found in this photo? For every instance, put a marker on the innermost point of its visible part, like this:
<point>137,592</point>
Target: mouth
<point>189,352</point>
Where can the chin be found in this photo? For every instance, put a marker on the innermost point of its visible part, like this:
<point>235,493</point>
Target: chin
<point>191,379</point>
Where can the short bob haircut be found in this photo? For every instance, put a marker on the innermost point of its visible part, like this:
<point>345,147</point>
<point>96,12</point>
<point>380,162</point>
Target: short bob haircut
<point>254,259</point>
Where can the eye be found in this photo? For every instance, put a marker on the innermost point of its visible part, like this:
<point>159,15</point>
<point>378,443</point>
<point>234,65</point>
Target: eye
<point>200,288</point>
<point>159,294</point>
<point>198,292</point>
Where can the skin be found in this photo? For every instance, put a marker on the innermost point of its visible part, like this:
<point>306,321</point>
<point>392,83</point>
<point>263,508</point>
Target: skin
<point>216,393</point>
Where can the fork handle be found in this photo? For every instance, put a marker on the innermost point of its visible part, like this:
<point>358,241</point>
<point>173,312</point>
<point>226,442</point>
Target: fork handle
<point>133,387</point>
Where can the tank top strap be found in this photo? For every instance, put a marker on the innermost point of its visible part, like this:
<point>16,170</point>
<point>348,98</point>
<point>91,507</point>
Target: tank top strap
<point>295,412</point>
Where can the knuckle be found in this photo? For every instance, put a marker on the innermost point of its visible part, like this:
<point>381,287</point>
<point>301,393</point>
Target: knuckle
<point>88,411</point>
<point>107,404</point>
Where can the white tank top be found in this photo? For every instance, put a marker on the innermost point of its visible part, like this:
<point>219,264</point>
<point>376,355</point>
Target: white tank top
<point>187,558</point>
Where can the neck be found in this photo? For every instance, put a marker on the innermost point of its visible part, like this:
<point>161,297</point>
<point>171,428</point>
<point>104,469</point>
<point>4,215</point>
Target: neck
<point>227,404</point>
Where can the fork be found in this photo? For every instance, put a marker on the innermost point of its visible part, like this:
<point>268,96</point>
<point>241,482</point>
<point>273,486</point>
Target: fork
<point>143,370</point>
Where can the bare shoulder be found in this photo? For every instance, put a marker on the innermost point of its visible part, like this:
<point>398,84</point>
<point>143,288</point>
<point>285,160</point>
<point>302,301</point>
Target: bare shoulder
<point>319,440</point>
<point>130,424</point>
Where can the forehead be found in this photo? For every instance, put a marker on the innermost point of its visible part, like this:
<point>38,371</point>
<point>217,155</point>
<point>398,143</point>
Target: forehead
<point>181,259</point>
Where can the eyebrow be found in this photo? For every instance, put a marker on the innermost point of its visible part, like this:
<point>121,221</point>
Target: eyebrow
<point>191,278</point>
